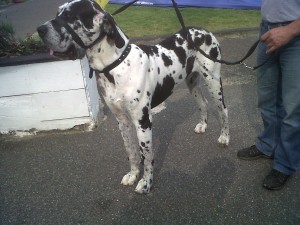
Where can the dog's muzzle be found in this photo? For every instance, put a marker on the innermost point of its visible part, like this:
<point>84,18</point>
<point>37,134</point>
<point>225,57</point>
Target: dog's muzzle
<point>72,52</point>
<point>42,31</point>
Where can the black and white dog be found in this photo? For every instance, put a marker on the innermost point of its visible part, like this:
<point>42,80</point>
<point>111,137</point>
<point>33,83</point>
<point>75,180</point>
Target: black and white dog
<point>133,79</point>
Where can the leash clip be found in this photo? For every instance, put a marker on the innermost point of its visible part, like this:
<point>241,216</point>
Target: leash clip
<point>245,65</point>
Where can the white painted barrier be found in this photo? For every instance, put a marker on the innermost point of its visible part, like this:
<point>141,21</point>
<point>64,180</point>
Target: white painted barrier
<point>47,96</point>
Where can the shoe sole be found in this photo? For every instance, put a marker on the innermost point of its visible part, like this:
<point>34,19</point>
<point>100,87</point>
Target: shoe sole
<point>274,188</point>
<point>255,157</point>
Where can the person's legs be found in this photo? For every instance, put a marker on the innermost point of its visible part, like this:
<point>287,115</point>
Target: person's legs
<point>269,103</point>
<point>287,152</point>
<point>269,98</point>
<point>278,90</point>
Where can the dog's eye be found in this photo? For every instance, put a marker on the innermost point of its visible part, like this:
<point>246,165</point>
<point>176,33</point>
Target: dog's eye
<point>68,16</point>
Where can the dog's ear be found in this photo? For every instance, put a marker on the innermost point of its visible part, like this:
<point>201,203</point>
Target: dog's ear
<point>112,32</point>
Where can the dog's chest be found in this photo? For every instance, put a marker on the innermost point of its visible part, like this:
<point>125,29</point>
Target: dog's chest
<point>147,76</point>
<point>124,94</point>
<point>107,88</point>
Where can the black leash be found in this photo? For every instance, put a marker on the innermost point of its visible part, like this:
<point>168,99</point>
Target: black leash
<point>78,40</point>
<point>189,38</point>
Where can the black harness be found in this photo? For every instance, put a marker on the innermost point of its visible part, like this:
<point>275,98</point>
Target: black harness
<point>106,70</point>
<point>79,41</point>
<point>60,21</point>
<point>118,61</point>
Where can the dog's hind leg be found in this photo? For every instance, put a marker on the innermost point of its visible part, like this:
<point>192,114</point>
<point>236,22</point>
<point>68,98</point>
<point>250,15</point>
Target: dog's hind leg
<point>218,97</point>
<point>129,136</point>
<point>212,78</point>
<point>192,82</point>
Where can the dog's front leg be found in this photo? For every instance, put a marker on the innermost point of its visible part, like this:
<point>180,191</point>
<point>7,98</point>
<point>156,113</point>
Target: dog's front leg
<point>144,134</point>
<point>129,136</point>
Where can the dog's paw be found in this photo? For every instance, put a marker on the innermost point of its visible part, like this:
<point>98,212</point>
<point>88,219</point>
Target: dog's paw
<point>130,178</point>
<point>143,186</point>
<point>223,140</point>
<point>200,128</point>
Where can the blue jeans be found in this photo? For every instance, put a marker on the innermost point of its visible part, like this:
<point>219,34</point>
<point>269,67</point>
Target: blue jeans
<point>278,90</point>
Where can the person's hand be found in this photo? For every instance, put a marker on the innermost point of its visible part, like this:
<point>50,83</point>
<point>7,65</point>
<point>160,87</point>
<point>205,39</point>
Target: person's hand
<point>280,36</point>
<point>276,38</point>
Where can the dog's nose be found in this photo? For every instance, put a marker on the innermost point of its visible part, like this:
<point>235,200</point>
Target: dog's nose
<point>42,30</point>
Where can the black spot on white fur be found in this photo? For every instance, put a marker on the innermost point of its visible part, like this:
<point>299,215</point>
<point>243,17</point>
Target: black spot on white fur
<point>145,121</point>
<point>190,65</point>
<point>214,53</point>
<point>208,39</point>
<point>162,91</point>
<point>167,60</point>
<point>170,44</point>
<point>149,50</point>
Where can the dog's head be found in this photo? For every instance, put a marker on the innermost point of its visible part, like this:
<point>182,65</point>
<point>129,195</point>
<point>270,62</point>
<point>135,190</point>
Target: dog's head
<point>79,24</point>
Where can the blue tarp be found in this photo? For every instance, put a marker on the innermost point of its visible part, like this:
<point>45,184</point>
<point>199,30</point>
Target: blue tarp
<point>227,4</point>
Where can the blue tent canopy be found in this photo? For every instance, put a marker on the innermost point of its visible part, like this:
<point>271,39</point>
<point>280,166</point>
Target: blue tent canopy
<point>227,4</point>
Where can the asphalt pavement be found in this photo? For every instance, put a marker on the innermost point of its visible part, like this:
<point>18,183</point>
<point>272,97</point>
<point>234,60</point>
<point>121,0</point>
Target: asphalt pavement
<point>74,177</point>
<point>26,17</point>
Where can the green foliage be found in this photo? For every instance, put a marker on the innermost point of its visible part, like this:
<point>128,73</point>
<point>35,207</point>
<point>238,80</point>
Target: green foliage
<point>9,46</point>
<point>31,45</point>
<point>6,29</point>
<point>139,21</point>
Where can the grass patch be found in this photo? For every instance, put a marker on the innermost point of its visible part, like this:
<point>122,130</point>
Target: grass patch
<point>139,21</point>
<point>10,46</point>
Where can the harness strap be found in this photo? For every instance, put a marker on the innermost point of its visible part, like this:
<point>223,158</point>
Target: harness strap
<point>115,63</point>
<point>75,36</point>
<point>79,41</point>
<point>125,53</point>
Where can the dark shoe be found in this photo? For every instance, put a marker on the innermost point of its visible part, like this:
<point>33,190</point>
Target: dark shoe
<point>275,180</point>
<point>251,153</point>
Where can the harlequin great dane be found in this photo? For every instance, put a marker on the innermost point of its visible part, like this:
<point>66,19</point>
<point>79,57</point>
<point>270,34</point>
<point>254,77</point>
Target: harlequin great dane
<point>133,79</point>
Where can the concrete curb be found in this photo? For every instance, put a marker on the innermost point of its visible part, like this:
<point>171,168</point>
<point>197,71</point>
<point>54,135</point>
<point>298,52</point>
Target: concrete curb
<point>235,31</point>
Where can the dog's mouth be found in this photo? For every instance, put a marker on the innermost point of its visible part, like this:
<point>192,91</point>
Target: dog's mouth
<point>69,54</point>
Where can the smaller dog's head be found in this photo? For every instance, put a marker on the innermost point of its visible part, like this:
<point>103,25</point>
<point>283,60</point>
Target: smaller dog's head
<point>79,24</point>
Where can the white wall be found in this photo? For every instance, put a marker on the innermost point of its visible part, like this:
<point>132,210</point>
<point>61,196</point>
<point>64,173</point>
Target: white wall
<point>46,96</point>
